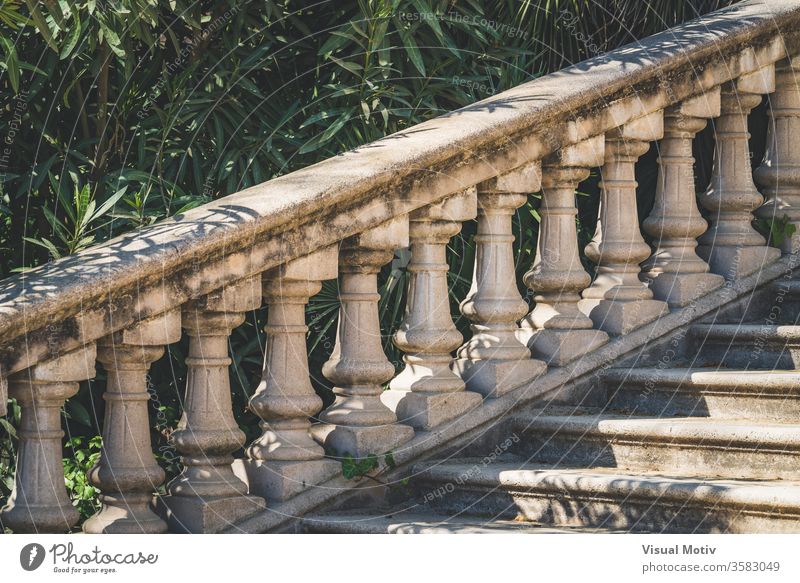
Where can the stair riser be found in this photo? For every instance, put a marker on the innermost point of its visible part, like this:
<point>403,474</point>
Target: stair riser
<point>749,356</point>
<point>645,515</point>
<point>568,449</point>
<point>668,402</point>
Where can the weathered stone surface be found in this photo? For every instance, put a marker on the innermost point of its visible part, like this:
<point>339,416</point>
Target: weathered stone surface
<point>754,394</point>
<point>674,446</point>
<point>612,498</point>
<point>732,247</point>
<point>285,459</point>
<point>428,392</point>
<point>207,434</point>
<point>39,502</point>
<point>278,481</point>
<point>748,346</point>
<point>617,301</point>
<point>779,174</point>
<point>556,331</point>
<point>188,514</point>
<point>358,423</point>
<point>127,473</point>
<point>674,271</point>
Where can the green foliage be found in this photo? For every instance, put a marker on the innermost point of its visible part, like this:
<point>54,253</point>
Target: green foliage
<point>354,468</point>
<point>776,230</point>
<point>8,447</point>
<point>81,455</point>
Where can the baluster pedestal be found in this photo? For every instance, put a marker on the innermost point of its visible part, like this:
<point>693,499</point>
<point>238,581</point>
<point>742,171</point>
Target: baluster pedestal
<point>127,473</point>
<point>39,502</point>
<point>285,460</point>
<point>428,392</point>
<point>779,174</point>
<point>732,247</point>
<point>674,271</point>
<point>556,331</point>
<point>617,301</point>
<point>358,423</point>
<point>207,496</point>
<point>494,361</point>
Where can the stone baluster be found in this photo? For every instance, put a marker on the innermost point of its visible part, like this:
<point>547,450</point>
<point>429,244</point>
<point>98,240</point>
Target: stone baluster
<point>127,473</point>
<point>617,301</point>
<point>285,459</point>
<point>732,247</point>
<point>779,173</point>
<point>674,271</point>
<point>358,423</point>
<point>207,496</point>
<point>494,361</point>
<point>428,392</point>
<point>39,502</point>
<point>556,330</point>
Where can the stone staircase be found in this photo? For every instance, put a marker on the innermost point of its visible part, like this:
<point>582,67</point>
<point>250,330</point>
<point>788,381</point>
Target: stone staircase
<point>710,445</point>
<point>654,391</point>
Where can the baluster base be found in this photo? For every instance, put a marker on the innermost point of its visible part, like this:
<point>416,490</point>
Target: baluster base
<point>681,289</point>
<point>621,317</point>
<point>559,347</point>
<point>733,262</point>
<point>494,378</point>
<point>38,519</point>
<point>424,411</point>
<point>361,442</point>
<point>132,514</point>
<point>280,480</point>
<point>195,515</point>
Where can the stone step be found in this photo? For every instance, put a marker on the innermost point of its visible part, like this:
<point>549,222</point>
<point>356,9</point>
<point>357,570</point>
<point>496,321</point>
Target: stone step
<point>747,346</point>
<point>608,498</point>
<point>714,447</point>
<point>785,300</point>
<point>420,522</point>
<point>705,392</point>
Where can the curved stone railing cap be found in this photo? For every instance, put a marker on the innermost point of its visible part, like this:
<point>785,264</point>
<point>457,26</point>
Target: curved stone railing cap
<point>80,298</point>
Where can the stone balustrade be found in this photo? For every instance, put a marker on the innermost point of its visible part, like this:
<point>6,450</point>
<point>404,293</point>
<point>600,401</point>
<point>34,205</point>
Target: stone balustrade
<point>345,218</point>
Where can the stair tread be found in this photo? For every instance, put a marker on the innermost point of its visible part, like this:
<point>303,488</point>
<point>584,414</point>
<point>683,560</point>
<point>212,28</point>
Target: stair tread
<point>513,476</point>
<point>767,381</point>
<point>747,330</point>
<point>785,436</point>
<point>420,522</point>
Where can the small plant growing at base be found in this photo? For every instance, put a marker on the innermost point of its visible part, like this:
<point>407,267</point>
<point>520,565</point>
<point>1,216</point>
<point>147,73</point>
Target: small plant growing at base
<point>776,230</point>
<point>354,468</point>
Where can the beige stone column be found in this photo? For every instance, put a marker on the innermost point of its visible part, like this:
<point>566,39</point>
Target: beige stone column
<point>617,301</point>
<point>428,392</point>
<point>207,496</point>
<point>779,174</point>
<point>494,361</point>
<point>358,423</point>
<point>732,247</point>
<point>674,271</point>
<point>556,330</point>
<point>127,473</point>
<point>39,502</point>
<point>285,460</point>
